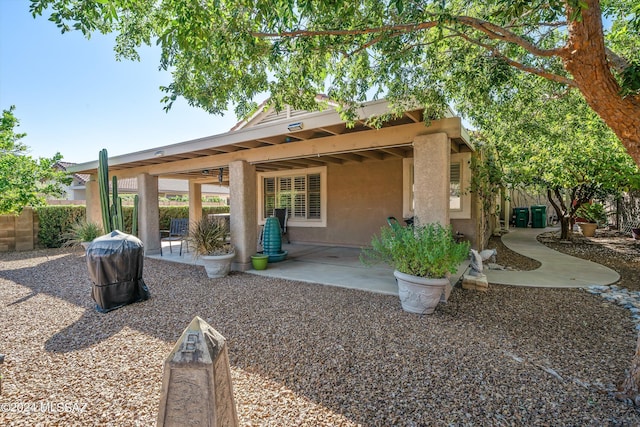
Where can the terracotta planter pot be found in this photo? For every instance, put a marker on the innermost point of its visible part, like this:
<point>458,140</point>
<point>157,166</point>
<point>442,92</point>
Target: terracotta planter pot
<point>588,228</point>
<point>419,294</point>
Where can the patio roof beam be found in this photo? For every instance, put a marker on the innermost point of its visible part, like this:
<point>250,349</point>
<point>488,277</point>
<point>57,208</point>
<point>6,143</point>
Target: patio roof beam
<point>394,151</point>
<point>414,115</point>
<point>375,155</point>
<point>350,157</point>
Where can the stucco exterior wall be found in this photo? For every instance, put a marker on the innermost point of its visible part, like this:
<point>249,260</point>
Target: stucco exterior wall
<point>468,227</point>
<point>360,196</point>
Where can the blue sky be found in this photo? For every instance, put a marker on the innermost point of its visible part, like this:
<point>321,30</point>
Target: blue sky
<point>73,97</point>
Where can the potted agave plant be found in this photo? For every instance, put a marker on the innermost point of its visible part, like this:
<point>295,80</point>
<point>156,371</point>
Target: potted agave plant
<point>81,233</point>
<point>594,214</point>
<point>423,257</point>
<point>208,238</point>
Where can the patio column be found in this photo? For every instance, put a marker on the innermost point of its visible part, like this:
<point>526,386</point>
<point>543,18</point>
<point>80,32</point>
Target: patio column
<point>92,196</point>
<point>195,201</point>
<point>431,163</point>
<point>244,216</point>
<point>149,213</point>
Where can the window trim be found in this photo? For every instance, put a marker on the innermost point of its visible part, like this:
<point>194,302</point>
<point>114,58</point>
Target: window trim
<point>465,183</point>
<point>462,185</point>
<point>295,222</point>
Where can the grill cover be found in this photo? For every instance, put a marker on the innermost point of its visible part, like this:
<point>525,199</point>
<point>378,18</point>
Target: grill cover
<point>115,263</point>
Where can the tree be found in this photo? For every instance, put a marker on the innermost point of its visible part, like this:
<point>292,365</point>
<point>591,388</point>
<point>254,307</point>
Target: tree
<point>24,181</point>
<point>553,143</point>
<point>222,51</point>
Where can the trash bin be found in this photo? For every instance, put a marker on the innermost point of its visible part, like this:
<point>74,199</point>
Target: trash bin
<point>522,217</point>
<point>538,216</point>
<point>115,263</point>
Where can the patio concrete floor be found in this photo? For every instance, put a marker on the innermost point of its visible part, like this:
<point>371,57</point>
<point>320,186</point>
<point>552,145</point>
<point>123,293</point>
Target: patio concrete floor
<point>341,266</point>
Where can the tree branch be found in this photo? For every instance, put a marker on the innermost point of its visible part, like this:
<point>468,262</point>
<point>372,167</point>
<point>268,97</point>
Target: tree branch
<point>405,28</point>
<point>618,63</point>
<point>532,70</point>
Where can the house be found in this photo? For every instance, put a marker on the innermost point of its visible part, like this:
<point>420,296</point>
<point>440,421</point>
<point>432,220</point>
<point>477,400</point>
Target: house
<point>339,182</point>
<point>166,187</point>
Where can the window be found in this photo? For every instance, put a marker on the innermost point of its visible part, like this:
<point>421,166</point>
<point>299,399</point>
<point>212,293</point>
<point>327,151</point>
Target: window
<point>301,191</point>
<point>455,193</point>
<point>459,182</point>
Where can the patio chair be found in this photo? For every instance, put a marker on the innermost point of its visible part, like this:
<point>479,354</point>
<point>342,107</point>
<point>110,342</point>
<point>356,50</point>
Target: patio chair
<point>178,231</point>
<point>282,214</point>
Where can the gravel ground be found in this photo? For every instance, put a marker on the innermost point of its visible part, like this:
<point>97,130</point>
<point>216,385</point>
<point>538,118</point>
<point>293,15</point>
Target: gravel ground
<point>309,355</point>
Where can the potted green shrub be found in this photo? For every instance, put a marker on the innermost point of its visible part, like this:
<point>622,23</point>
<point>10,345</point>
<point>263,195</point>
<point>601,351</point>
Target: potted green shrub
<point>81,233</point>
<point>423,257</point>
<point>208,238</point>
<point>594,214</point>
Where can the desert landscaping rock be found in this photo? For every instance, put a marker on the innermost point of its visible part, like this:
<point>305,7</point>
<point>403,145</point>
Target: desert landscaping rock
<point>309,355</point>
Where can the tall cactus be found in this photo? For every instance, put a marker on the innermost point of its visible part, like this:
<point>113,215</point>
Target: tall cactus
<point>134,219</point>
<point>103,184</point>
<point>112,218</point>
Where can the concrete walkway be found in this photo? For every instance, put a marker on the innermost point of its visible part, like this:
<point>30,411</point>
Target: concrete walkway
<point>557,270</point>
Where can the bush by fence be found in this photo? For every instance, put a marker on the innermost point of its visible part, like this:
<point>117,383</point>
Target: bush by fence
<point>56,220</point>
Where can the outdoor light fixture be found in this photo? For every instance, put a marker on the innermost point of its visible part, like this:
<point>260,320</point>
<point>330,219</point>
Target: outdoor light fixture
<point>294,126</point>
<point>220,175</point>
<point>158,153</point>
<point>205,171</point>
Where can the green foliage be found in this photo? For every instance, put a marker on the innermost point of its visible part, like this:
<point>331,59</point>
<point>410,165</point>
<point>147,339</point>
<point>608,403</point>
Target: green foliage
<point>433,54</point>
<point>209,237</point>
<point>592,212</point>
<point>424,250</point>
<point>81,231</point>
<point>223,52</point>
<point>24,181</point>
<point>55,221</point>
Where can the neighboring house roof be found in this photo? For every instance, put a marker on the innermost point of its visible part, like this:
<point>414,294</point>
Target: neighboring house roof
<point>79,177</point>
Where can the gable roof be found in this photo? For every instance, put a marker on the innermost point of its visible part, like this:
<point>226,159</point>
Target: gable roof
<point>266,113</point>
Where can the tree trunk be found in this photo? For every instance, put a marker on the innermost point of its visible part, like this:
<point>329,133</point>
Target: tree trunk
<point>561,212</point>
<point>565,226</point>
<point>629,390</point>
<point>585,57</point>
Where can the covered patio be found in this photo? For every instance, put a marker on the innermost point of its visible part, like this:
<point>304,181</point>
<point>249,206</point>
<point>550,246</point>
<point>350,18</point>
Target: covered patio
<point>339,181</point>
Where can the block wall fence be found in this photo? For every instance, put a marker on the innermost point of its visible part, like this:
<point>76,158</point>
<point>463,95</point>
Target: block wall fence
<point>19,232</point>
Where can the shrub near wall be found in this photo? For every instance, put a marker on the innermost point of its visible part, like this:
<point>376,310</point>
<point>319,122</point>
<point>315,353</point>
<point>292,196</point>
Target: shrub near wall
<point>56,220</point>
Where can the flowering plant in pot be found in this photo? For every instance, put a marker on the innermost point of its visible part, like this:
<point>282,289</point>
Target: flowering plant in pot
<point>209,241</point>
<point>423,256</point>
